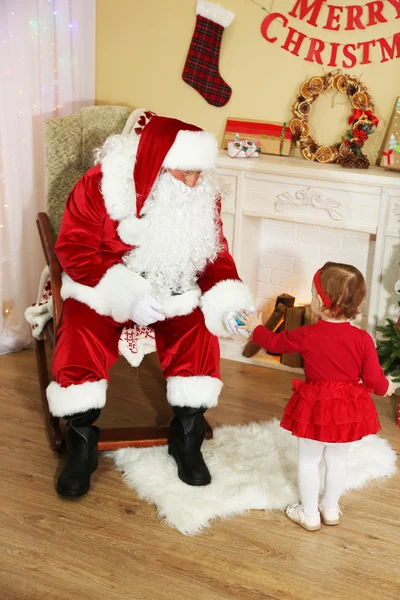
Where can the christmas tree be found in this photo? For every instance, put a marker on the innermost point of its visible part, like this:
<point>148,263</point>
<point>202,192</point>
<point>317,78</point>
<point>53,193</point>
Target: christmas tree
<point>393,144</point>
<point>388,349</point>
<point>392,141</point>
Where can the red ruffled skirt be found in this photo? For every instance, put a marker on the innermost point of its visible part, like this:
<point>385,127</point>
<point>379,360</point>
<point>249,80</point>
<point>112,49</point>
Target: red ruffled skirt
<point>330,411</point>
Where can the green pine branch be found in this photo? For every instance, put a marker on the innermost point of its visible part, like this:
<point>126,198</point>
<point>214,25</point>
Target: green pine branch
<point>388,349</point>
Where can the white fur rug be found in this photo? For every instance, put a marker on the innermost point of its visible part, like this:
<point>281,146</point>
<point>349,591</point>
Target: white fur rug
<point>252,467</point>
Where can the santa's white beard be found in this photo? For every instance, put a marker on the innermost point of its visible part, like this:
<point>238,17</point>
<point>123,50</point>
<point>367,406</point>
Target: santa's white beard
<point>181,235</point>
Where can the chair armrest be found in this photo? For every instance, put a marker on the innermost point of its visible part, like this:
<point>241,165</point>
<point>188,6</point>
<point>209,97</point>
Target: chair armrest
<point>46,239</point>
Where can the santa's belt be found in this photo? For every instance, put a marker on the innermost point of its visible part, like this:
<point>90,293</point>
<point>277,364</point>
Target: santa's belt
<point>172,292</point>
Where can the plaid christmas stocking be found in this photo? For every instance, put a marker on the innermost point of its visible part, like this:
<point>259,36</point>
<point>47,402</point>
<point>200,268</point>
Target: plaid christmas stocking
<point>201,68</point>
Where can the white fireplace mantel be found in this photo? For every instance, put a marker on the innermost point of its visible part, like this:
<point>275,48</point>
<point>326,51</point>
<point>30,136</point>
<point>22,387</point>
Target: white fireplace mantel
<point>293,190</point>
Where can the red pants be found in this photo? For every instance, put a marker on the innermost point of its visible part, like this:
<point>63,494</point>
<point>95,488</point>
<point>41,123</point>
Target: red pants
<point>87,346</point>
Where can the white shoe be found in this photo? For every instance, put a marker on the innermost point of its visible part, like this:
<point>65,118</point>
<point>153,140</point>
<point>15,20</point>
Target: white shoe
<point>330,516</point>
<point>296,514</point>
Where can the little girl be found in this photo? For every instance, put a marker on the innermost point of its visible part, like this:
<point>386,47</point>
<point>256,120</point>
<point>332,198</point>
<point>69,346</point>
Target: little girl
<point>331,408</point>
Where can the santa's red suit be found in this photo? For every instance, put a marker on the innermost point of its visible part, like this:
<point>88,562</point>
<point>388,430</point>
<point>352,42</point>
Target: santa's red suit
<point>99,228</point>
<point>131,230</point>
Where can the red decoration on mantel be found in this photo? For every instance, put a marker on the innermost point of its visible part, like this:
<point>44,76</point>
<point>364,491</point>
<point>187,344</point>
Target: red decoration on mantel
<point>257,128</point>
<point>388,155</point>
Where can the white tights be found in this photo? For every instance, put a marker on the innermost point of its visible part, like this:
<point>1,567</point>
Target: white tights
<point>310,454</point>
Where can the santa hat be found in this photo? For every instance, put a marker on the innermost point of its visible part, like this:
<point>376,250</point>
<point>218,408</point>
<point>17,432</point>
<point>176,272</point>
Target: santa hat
<point>172,144</point>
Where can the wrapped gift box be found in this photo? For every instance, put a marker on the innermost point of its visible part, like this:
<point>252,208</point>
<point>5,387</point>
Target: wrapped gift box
<point>273,138</point>
<point>389,155</point>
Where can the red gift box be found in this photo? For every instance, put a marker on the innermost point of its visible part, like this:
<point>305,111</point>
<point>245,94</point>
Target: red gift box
<point>272,138</point>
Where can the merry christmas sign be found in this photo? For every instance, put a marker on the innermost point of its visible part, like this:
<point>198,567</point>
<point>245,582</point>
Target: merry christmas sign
<point>324,16</point>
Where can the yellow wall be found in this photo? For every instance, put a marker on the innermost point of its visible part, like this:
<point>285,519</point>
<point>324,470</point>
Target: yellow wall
<point>142,46</point>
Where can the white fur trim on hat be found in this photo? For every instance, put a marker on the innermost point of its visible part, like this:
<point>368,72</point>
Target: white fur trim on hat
<point>132,230</point>
<point>226,296</point>
<point>214,12</point>
<point>118,156</point>
<point>112,296</point>
<point>64,401</point>
<point>196,392</point>
<point>192,150</point>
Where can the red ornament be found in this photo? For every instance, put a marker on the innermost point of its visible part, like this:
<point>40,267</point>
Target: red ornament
<point>388,155</point>
<point>360,134</point>
<point>368,113</point>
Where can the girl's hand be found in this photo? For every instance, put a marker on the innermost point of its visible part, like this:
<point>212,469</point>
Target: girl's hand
<point>250,320</point>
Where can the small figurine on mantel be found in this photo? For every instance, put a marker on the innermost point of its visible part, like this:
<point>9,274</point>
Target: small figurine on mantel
<point>243,148</point>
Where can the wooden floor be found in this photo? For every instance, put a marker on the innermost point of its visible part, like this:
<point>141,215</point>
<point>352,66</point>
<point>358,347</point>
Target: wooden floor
<point>111,545</point>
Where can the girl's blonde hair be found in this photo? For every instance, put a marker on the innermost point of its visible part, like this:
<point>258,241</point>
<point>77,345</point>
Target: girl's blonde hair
<point>345,285</point>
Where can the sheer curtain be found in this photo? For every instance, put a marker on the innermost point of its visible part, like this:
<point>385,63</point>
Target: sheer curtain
<point>47,61</point>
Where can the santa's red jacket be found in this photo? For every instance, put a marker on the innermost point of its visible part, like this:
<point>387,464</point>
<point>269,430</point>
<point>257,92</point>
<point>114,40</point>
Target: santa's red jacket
<point>98,229</point>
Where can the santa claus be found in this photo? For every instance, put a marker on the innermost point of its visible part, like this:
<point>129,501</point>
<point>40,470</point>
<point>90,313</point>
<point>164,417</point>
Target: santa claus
<point>141,241</point>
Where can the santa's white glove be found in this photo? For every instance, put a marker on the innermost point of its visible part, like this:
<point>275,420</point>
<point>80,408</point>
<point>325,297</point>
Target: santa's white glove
<point>231,325</point>
<point>145,310</point>
<point>391,388</point>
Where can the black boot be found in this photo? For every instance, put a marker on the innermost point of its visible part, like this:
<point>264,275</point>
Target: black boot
<point>82,437</point>
<point>186,436</point>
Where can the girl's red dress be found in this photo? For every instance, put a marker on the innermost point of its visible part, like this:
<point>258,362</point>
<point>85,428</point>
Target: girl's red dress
<point>342,369</point>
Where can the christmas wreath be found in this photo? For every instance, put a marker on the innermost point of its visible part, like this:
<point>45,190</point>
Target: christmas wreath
<point>347,152</point>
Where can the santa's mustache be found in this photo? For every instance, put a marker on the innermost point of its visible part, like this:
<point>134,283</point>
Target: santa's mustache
<point>179,187</point>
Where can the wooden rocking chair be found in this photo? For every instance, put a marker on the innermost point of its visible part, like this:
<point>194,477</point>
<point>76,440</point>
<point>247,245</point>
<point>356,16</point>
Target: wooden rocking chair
<point>100,122</point>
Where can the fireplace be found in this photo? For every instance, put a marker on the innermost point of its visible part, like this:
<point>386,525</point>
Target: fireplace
<point>285,217</point>
<point>291,253</point>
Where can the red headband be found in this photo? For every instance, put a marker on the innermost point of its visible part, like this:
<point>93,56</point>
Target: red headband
<point>324,296</point>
